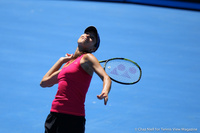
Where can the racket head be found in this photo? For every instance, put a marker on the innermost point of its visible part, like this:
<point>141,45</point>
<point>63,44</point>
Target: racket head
<point>122,70</point>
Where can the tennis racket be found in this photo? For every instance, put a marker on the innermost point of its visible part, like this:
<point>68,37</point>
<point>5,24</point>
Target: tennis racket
<point>122,70</point>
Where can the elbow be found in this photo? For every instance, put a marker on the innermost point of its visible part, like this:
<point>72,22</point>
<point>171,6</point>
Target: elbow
<point>42,84</point>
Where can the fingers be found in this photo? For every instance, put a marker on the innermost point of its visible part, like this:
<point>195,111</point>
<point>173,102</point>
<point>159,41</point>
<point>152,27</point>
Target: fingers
<point>103,96</point>
<point>105,100</point>
<point>99,96</point>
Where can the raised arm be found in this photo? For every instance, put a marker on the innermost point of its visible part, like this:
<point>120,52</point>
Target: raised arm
<point>94,63</point>
<point>50,78</point>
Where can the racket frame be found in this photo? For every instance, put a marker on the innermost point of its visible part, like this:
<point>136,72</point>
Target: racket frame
<point>102,61</point>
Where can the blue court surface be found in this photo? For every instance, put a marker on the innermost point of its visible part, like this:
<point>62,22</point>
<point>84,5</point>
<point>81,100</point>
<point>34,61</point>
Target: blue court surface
<point>165,42</point>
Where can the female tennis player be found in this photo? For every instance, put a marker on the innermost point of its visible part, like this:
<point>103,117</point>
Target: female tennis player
<point>67,114</point>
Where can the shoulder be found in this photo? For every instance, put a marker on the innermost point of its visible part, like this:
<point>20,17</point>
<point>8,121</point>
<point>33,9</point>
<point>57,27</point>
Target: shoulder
<point>90,58</point>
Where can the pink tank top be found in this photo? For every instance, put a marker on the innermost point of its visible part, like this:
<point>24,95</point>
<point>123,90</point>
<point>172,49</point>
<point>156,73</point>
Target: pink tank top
<point>73,84</point>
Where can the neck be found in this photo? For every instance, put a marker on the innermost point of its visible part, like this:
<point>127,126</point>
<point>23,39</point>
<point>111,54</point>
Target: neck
<point>78,53</point>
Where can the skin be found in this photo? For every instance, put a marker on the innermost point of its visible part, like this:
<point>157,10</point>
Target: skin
<point>89,63</point>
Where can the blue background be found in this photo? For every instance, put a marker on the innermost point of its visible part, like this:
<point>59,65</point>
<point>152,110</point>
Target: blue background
<point>163,41</point>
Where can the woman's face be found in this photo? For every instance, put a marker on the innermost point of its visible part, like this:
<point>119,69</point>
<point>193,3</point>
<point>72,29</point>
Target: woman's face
<point>87,41</point>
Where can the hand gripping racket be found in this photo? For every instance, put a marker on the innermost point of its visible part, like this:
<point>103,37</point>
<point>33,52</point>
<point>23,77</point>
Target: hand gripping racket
<point>122,70</point>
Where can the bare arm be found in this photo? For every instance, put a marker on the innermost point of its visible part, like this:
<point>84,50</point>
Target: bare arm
<point>94,63</point>
<point>50,78</point>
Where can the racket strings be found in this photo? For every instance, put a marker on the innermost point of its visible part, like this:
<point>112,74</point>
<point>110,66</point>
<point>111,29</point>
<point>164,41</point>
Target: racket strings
<point>122,71</point>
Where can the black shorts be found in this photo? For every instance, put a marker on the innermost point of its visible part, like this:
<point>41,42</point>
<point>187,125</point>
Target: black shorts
<point>64,123</point>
